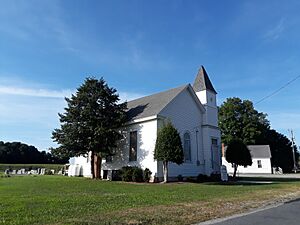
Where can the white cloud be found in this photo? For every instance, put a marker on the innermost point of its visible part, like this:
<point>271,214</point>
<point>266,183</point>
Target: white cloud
<point>47,93</point>
<point>10,90</point>
<point>29,119</point>
<point>30,114</point>
<point>39,22</point>
<point>275,32</point>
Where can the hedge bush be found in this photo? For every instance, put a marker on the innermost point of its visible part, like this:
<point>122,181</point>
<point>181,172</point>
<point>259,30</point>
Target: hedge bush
<point>126,173</point>
<point>180,178</point>
<point>147,175</point>
<point>135,174</point>
<point>214,177</point>
<point>202,178</point>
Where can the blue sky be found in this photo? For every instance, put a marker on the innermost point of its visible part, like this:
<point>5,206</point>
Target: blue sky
<point>47,48</point>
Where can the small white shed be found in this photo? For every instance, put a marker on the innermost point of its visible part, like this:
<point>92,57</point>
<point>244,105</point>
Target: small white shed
<point>261,160</point>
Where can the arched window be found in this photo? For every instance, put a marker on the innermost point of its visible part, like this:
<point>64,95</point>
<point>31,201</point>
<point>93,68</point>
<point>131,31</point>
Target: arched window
<point>187,146</point>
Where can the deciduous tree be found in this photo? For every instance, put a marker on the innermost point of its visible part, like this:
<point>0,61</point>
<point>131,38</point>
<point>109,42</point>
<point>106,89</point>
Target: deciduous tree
<point>238,154</point>
<point>239,120</point>
<point>168,147</point>
<point>20,153</point>
<point>281,149</point>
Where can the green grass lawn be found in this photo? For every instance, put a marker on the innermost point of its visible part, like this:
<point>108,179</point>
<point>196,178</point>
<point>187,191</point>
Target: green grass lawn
<point>65,200</point>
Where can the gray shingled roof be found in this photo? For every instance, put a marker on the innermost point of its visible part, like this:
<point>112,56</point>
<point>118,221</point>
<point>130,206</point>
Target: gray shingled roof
<point>202,81</point>
<point>151,105</point>
<point>258,151</point>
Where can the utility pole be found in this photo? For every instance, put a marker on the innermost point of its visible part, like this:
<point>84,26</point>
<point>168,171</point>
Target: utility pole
<point>293,149</point>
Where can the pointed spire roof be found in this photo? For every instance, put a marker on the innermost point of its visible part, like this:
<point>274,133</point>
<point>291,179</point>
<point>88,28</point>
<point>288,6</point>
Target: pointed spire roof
<point>202,82</point>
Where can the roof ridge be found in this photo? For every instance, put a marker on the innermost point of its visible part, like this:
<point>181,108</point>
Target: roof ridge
<point>152,104</point>
<point>258,145</point>
<point>182,86</point>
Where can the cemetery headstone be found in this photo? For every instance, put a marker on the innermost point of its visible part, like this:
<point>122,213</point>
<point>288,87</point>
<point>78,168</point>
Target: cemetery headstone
<point>23,171</point>
<point>224,175</point>
<point>43,170</point>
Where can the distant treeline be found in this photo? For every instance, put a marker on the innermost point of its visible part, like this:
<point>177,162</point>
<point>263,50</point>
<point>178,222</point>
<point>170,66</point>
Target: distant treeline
<point>20,153</point>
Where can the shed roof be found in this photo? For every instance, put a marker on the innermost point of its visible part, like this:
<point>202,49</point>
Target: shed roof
<point>258,151</point>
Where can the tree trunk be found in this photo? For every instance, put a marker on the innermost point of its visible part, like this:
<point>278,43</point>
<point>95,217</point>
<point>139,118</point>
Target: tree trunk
<point>235,169</point>
<point>92,164</point>
<point>97,166</point>
<point>165,170</point>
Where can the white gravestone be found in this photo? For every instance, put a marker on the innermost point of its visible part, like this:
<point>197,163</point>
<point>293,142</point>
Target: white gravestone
<point>224,175</point>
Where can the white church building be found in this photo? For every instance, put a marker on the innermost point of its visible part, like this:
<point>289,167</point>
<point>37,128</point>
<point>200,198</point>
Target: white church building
<point>192,109</point>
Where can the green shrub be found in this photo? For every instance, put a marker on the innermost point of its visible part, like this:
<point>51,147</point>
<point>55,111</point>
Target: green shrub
<point>147,175</point>
<point>215,177</point>
<point>2,175</point>
<point>126,173</point>
<point>116,175</point>
<point>202,178</point>
<point>137,174</point>
<point>134,174</point>
<point>180,177</point>
<point>190,179</point>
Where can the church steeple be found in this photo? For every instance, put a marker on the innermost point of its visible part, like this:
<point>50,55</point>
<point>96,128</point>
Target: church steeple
<point>202,82</point>
<point>207,96</point>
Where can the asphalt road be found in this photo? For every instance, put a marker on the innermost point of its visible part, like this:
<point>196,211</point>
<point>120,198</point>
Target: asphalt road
<point>286,214</point>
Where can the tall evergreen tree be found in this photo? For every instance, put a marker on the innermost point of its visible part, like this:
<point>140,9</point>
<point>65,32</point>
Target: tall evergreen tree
<point>168,147</point>
<point>90,123</point>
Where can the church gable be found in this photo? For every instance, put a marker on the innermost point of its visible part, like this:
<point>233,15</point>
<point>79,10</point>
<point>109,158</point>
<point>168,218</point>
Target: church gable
<point>185,104</point>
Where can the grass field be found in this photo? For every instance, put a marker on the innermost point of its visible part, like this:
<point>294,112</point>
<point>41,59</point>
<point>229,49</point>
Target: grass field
<point>65,200</point>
